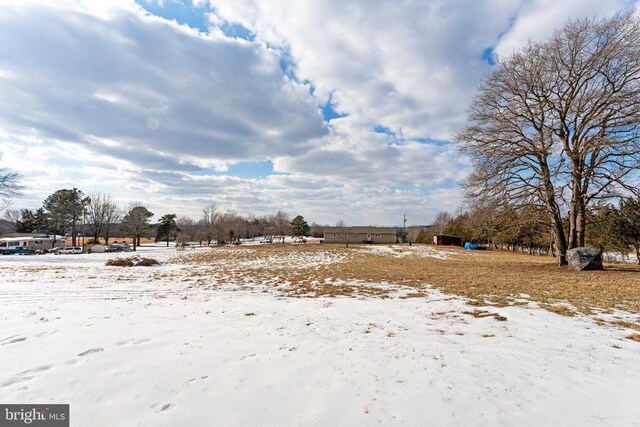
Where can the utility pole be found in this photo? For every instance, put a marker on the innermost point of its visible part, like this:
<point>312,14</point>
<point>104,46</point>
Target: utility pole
<point>404,225</point>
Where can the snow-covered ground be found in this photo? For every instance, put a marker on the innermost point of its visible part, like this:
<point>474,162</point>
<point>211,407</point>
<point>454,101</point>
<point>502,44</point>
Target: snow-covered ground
<point>399,251</point>
<point>143,346</point>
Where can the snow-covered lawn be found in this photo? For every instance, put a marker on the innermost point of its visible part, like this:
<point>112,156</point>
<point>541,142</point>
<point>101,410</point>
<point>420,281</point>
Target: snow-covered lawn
<point>399,251</point>
<point>148,346</point>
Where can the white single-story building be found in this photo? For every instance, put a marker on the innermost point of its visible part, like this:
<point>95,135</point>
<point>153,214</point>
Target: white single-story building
<point>360,234</point>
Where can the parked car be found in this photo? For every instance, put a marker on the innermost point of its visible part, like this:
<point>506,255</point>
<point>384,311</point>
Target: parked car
<point>266,240</point>
<point>299,240</point>
<point>119,247</point>
<point>71,250</point>
<point>18,251</point>
<point>237,242</point>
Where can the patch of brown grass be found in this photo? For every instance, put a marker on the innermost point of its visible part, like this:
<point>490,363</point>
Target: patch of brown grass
<point>484,277</point>
<point>499,276</point>
<point>634,337</point>
<point>133,261</point>
<point>625,324</point>
<point>121,262</point>
<point>147,262</point>
<point>480,314</point>
<point>559,309</point>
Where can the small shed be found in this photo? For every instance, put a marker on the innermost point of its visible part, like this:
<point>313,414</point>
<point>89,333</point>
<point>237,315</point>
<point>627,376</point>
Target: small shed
<point>443,240</point>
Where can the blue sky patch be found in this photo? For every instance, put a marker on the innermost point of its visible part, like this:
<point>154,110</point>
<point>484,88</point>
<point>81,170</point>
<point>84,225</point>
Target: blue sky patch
<point>237,31</point>
<point>328,112</point>
<point>383,129</point>
<point>488,57</point>
<point>437,142</point>
<point>251,169</point>
<point>183,12</point>
<point>248,170</point>
<point>287,65</point>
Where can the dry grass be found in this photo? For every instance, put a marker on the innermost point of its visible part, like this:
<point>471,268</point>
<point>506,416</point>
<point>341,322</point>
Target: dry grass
<point>133,261</point>
<point>634,337</point>
<point>480,314</point>
<point>625,324</point>
<point>121,262</point>
<point>499,277</point>
<point>486,278</point>
<point>146,262</point>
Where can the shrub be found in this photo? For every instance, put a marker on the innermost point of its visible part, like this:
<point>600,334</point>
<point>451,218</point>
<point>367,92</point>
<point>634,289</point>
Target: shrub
<point>121,262</point>
<point>134,261</point>
<point>147,262</point>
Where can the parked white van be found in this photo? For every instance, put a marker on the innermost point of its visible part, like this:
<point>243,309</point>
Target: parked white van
<point>71,250</point>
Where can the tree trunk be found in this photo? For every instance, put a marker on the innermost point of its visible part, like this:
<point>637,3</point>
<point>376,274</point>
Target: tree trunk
<point>553,210</point>
<point>577,211</point>
<point>135,241</point>
<point>573,214</point>
<point>73,233</point>
<point>581,222</point>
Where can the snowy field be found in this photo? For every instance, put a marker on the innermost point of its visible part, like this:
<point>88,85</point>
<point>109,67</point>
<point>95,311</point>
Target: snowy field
<point>156,346</point>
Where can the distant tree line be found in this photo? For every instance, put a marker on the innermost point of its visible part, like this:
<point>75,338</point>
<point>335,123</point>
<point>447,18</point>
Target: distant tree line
<point>611,228</point>
<point>227,226</point>
<point>69,212</point>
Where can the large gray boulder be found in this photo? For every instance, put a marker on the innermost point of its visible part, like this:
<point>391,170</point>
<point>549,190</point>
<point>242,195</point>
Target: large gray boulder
<point>585,259</point>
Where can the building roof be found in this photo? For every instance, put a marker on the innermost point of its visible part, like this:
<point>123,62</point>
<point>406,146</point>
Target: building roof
<point>29,236</point>
<point>361,229</point>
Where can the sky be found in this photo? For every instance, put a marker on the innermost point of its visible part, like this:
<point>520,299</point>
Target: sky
<point>331,109</point>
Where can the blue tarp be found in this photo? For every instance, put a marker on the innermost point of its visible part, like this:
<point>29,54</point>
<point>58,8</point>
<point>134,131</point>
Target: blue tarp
<point>470,246</point>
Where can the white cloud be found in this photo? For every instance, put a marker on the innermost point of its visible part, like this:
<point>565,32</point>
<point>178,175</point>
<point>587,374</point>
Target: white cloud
<point>102,96</point>
<point>410,67</point>
<point>537,20</point>
<point>149,84</point>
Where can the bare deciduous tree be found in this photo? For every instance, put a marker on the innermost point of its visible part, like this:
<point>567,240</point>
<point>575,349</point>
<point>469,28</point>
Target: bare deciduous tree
<point>281,224</point>
<point>102,212</point>
<point>188,229</point>
<point>440,222</point>
<point>112,215</point>
<point>9,187</point>
<point>556,124</point>
<point>210,217</point>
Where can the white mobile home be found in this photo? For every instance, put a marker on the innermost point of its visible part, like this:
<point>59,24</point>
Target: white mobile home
<point>32,241</point>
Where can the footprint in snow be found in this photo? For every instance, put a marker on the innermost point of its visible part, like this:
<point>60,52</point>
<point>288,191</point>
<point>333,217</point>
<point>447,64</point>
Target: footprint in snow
<point>163,407</point>
<point>35,370</point>
<point>14,340</point>
<point>192,380</point>
<point>91,351</point>
<point>25,376</point>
